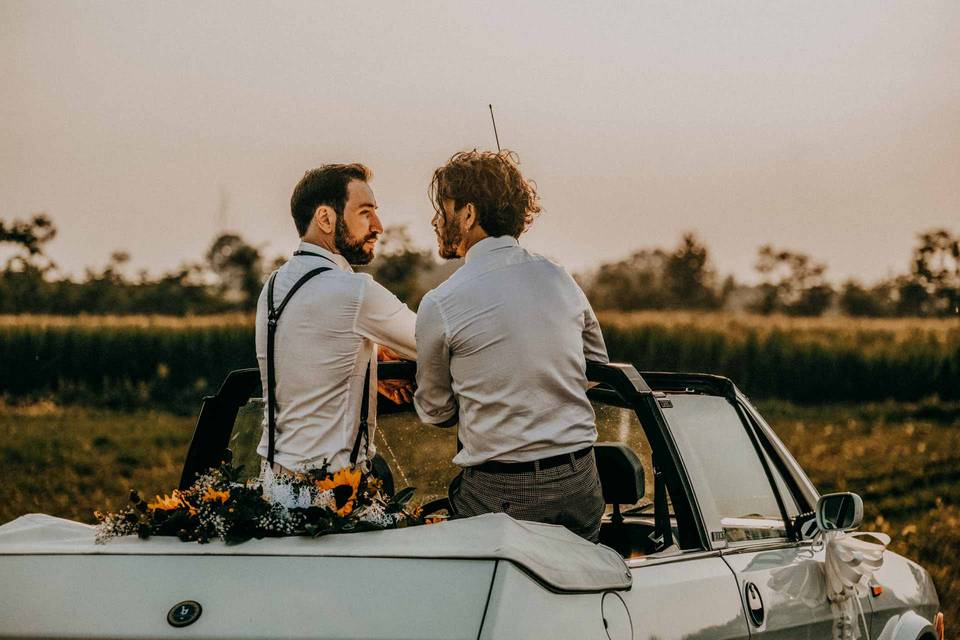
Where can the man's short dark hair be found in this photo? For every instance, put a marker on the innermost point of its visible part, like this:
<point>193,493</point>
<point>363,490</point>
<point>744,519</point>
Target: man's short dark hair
<point>326,185</point>
<point>506,203</point>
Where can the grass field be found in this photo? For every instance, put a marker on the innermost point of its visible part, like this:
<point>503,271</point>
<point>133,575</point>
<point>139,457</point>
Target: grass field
<point>901,457</point>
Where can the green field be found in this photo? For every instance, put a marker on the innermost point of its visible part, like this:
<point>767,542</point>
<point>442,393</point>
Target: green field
<point>157,361</point>
<point>901,457</point>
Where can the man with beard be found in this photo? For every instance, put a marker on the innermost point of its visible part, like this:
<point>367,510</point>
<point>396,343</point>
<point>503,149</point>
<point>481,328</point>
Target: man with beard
<point>318,327</point>
<point>502,349</point>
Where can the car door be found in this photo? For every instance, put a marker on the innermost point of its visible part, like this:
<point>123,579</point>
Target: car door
<point>746,505</point>
<point>685,590</point>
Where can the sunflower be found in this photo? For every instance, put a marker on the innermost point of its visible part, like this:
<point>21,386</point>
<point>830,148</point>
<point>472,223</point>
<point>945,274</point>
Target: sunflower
<point>211,495</point>
<point>169,503</point>
<point>345,484</point>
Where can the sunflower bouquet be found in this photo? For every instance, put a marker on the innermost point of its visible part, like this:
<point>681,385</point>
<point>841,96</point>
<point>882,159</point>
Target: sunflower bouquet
<point>221,505</point>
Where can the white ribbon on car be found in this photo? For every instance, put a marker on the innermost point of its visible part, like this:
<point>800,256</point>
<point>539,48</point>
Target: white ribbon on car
<point>849,565</point>
<point>841,579</point>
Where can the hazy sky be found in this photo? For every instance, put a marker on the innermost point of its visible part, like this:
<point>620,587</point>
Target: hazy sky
<point>830,128</point>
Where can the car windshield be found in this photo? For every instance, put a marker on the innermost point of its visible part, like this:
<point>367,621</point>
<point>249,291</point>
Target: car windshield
<point>732,486</point>
<point>420,455</point>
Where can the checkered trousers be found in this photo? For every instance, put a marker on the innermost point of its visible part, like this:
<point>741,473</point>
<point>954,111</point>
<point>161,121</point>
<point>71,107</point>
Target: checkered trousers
<point>568,494</point>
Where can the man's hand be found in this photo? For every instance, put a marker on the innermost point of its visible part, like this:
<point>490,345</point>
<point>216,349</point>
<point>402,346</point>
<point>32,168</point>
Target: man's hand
<point>400,391</point>
<point>385,354</point>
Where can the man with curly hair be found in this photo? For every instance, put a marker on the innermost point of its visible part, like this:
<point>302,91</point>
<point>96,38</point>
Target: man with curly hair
<point>502,350</point>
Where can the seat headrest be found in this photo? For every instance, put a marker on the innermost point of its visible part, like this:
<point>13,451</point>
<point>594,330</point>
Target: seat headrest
<point>621,473</point>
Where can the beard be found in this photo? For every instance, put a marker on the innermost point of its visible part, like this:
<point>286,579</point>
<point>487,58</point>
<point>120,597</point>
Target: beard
<point>349,247</point>
<point>448,241</point>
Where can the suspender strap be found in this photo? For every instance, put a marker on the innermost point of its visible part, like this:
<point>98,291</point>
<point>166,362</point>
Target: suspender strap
<point>273,317</point>
<point>363,432</point>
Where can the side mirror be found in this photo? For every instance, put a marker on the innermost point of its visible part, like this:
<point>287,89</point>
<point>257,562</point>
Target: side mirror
<point>839,512</point>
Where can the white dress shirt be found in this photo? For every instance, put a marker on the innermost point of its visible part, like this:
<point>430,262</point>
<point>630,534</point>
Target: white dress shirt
<point>325,341</point>
<point>504,342</point>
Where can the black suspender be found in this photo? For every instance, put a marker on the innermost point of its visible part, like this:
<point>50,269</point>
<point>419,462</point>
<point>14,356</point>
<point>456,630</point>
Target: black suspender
<point>273,317</point>
<point>362,432</point>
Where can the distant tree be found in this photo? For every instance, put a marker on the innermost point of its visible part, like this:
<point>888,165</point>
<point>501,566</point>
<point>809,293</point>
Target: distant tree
<point>689,279</point>
<point>657,279</point>
<point>933,286</point>
<point>634,283</point>
<point>793,284</point>
<point>858,300</point>
<point>23,279</point>
<point>30,235</point>
<point>238,268</point>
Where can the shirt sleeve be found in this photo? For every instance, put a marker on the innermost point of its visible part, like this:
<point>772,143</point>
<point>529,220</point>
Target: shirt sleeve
<point>385,320</point>
<point>594,349</point>
<point>434,399</point>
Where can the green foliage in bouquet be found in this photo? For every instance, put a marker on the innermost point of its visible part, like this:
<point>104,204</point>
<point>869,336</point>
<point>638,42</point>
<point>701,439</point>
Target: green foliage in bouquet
<point>222,505</point>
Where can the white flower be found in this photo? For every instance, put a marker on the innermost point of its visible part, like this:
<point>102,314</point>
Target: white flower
<point>325,499</point>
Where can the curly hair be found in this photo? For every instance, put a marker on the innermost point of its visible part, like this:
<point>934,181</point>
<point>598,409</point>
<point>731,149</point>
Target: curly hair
<point>506,202</point>
<point>324,185</point>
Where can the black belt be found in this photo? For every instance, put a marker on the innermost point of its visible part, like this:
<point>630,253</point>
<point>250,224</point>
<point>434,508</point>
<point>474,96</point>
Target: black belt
<point>495,466</point>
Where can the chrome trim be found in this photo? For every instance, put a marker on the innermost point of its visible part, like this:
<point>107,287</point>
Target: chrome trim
<point>683,556</point>
<point>799,475</point>
<point>773,545</point>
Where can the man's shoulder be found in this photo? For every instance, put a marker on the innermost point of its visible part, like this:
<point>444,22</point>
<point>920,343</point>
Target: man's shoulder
<point>448,287</point>
<point>334,283</point>
<point>547,263</point>
<point>461,282</point>
<point>538,266</point>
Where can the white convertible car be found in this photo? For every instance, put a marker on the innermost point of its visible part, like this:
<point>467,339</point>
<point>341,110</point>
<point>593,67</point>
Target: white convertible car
<point>707,535</point>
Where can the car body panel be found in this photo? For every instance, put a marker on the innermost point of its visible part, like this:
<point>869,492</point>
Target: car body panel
<point>691,596</point>
<point>790,583</point>
<point>908,603</point>
<point>519,609</point>
<point>128,596</point>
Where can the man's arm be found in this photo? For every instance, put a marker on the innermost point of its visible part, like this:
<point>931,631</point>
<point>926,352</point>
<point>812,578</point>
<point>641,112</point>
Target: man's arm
<point>594,349</point>
<point>386,321</point>
<point>434,400</point>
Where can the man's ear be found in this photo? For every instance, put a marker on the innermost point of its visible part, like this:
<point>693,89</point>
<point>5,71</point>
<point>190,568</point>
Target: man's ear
<point>326,218</point>
<point>469,215</point>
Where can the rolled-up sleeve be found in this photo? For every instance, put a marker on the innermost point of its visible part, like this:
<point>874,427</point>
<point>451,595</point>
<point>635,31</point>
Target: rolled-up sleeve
<point>434,399</point>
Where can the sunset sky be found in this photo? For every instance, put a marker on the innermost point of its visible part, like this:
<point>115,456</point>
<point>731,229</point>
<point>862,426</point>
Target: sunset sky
<point>828,128</point>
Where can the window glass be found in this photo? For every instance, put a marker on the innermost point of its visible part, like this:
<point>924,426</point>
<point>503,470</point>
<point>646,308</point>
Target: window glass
<point>636,536</point>
<point>733,490</point>
<point>615,424</point>
<point>789,502</point>
<point>419,455</point>
<point>247,430</point>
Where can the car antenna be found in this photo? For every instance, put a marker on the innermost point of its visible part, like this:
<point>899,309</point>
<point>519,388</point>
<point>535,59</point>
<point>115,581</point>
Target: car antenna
<point>494,121</point>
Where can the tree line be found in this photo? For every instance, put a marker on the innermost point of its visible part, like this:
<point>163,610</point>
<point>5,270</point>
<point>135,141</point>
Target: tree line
<point>792,283</point>
<point>231,273</point>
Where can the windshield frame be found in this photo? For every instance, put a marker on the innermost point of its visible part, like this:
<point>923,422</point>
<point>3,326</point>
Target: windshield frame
<point>614,384</point>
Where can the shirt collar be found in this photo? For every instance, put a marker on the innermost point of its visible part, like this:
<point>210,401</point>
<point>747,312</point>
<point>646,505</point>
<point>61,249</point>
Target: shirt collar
<point>336,258</point>
<point>489,245</point>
